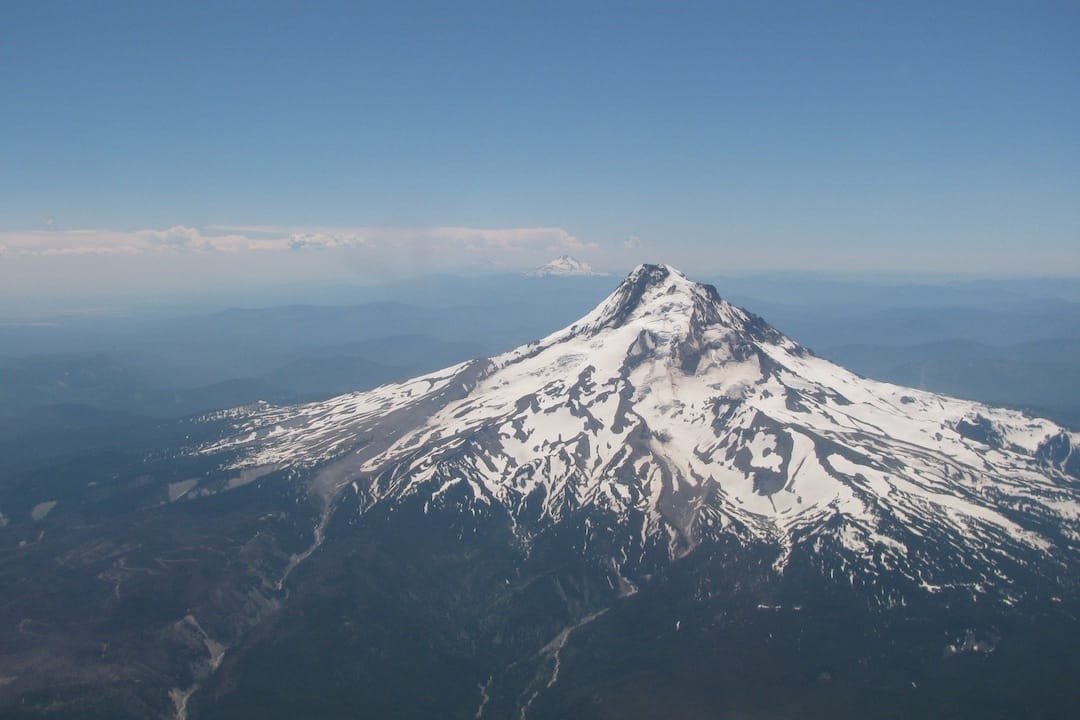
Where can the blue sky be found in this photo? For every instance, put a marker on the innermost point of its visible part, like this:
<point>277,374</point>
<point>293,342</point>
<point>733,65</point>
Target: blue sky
<point>902,136</point>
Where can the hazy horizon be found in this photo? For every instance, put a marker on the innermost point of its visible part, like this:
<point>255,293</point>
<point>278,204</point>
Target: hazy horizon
<point>156,151</point>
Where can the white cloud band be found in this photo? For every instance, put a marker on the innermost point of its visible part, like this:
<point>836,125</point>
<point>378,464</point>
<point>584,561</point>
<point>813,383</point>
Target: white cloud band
<point>497,245</point>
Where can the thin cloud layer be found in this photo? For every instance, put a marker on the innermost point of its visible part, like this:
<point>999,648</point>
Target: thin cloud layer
<point>497,247</point>
<point>46,243</point>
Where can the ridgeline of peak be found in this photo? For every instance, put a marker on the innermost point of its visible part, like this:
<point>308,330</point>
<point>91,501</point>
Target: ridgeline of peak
<point>669,305</point>
<point>662,285</point>
<point>642,281</point>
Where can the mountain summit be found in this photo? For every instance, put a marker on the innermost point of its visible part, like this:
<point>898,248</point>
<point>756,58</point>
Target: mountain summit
<point>674,418</point>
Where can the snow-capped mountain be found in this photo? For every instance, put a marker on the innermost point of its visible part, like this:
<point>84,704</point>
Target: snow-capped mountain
<point>669,418</point>
<point>666,509</point>
<point>564,266</point>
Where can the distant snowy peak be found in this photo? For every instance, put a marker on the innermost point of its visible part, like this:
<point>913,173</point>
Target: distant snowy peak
<point>564,266</point>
